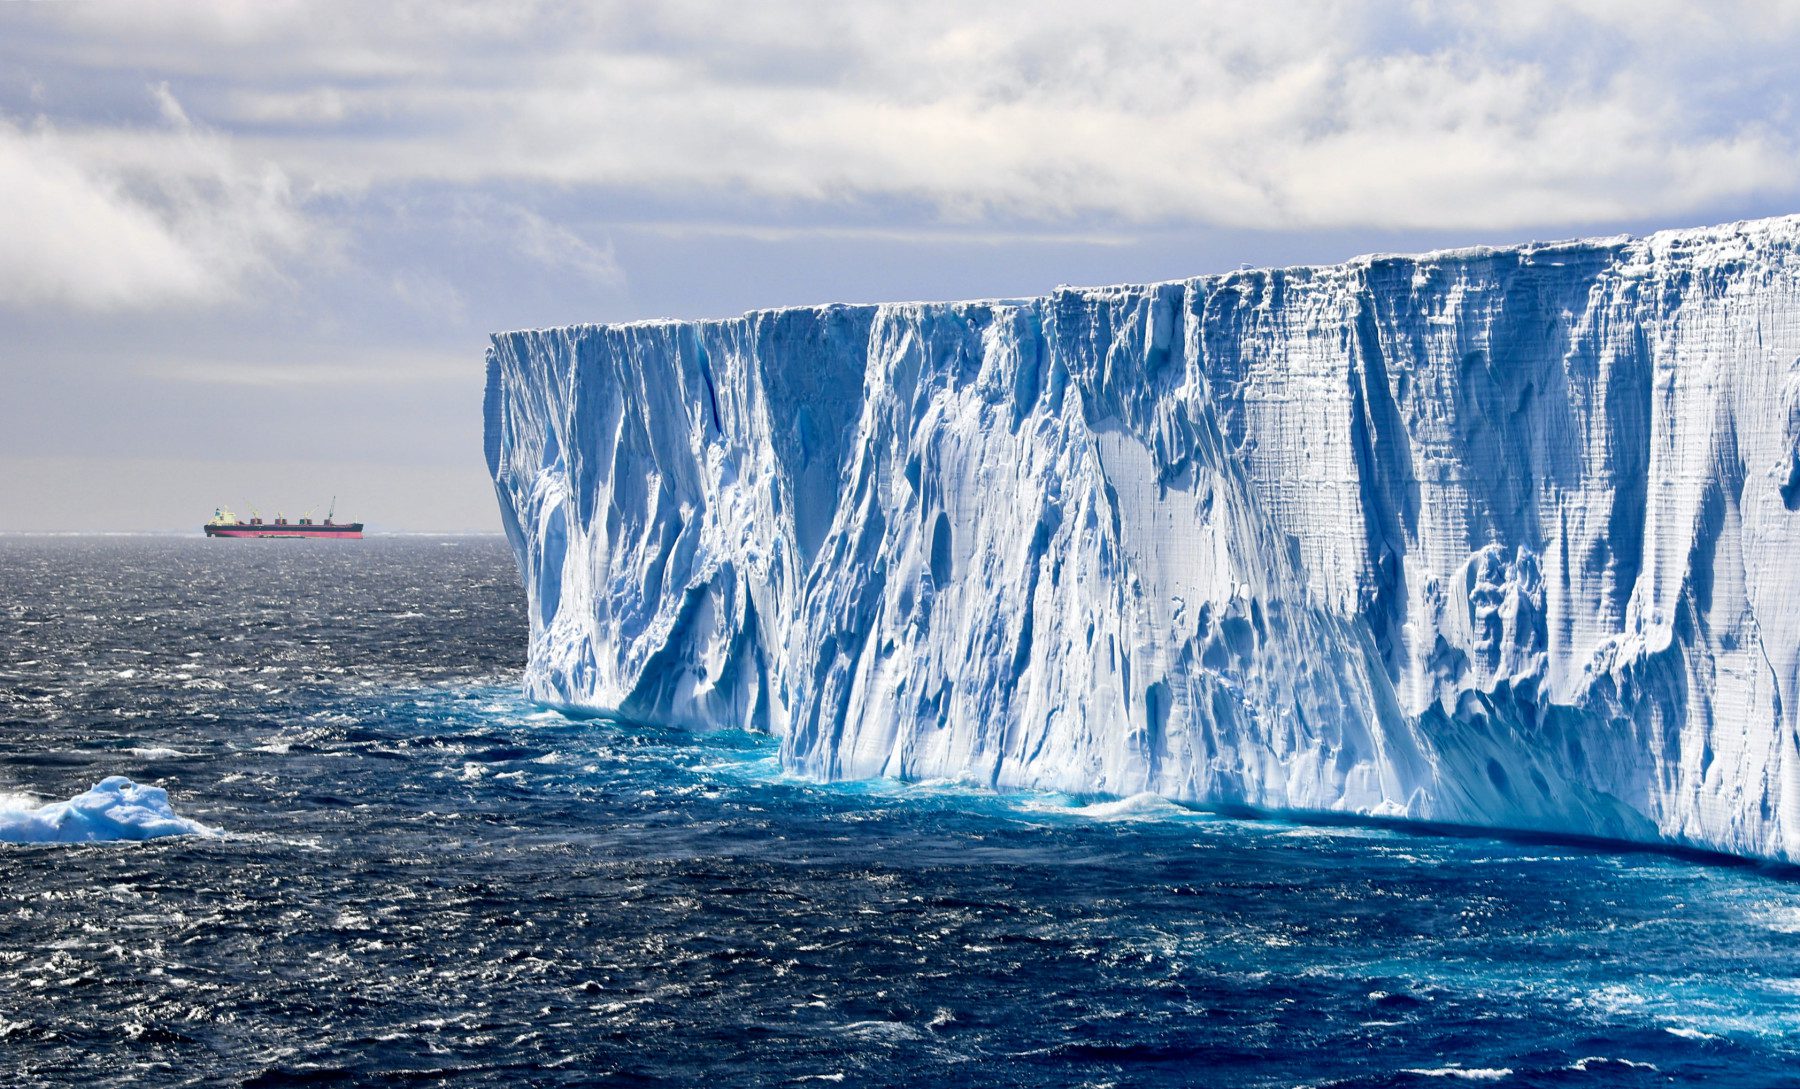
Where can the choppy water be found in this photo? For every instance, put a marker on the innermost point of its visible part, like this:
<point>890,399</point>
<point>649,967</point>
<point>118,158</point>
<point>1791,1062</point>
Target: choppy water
<point>426,881</point>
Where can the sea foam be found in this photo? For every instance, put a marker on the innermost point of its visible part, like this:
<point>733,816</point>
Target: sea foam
<point>114,809</point>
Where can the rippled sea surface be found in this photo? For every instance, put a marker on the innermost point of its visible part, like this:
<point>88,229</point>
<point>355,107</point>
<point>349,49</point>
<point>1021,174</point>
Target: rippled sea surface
<point>425,880</point>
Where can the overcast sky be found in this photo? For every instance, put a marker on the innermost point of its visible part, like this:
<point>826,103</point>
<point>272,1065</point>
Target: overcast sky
<point>250,253</point>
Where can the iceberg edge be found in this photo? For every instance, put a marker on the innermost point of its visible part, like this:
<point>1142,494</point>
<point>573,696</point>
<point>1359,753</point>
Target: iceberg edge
<point>1502,537</point>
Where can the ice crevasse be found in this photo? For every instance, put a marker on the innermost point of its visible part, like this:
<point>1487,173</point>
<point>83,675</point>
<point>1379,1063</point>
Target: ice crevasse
<point>1503,537</point>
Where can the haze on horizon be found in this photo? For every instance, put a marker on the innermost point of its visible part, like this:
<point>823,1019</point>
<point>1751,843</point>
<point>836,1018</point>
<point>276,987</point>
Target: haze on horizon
<point>254,250</point>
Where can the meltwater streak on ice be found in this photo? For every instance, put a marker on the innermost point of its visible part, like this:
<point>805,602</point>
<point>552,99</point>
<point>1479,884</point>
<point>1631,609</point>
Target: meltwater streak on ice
<point>1503,537</point>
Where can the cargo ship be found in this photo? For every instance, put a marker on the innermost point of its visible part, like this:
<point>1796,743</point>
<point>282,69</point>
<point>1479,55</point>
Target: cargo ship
<point>226,524</point>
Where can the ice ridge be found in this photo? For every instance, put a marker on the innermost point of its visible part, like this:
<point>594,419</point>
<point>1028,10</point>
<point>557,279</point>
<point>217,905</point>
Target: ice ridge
<point>1506,537</point>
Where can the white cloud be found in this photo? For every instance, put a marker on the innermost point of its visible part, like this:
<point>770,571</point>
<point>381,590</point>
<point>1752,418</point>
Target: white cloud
<point>556,246</point>
<point>121,219</point>
<point>171,110</point>
<point>430,295</point>
<point>1034,117</point>
<point>72,237</point>
<point>1277,115</point>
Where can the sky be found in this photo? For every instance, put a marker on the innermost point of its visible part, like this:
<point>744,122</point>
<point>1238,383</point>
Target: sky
<point>251,253</point>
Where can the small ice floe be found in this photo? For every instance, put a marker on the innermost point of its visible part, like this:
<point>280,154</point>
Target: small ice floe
<point>115,809</point>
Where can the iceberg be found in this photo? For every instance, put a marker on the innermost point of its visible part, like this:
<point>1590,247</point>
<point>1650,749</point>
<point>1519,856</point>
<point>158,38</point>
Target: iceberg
<point>1502,537</point>
<point>114,809</point>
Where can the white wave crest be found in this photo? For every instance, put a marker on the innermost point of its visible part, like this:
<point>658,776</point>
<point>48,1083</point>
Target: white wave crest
<point>1137,807</point>
<point>115,809</point>
<point>1688,1033</point>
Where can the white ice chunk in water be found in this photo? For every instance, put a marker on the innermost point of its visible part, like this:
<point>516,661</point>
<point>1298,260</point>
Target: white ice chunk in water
<point>115,809</point>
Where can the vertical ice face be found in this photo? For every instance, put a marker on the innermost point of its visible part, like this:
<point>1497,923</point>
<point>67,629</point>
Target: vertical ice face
<point>1502,537</point>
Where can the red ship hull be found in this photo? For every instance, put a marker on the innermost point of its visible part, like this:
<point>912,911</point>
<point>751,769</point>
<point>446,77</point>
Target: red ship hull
<point>352,531</point>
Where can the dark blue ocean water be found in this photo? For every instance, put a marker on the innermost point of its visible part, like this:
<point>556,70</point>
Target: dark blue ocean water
<point>427,881</point>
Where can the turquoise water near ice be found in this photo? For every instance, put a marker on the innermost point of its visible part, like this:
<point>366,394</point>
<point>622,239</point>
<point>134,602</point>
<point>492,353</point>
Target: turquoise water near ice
<point>425,880</point>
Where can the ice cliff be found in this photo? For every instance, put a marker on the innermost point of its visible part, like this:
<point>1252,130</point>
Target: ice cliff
<point>1504,537</point>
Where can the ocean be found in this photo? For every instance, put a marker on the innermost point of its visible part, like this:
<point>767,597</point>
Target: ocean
<point>423,879</point>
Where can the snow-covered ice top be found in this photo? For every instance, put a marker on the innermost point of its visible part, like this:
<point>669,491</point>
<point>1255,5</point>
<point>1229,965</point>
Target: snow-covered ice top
<point>1505,537</point>
<point>114,809</point>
